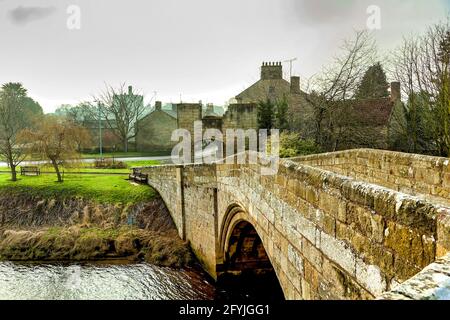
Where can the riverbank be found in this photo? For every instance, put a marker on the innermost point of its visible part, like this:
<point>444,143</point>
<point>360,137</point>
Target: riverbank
<point>87,218</point>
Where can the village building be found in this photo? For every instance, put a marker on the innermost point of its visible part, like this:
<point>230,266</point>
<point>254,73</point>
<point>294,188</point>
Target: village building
<point>365,116</point>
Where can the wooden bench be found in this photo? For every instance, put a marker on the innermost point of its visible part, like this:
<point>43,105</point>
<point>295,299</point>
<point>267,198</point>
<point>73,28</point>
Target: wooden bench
<point>29,170</point>
<point>137,175</point>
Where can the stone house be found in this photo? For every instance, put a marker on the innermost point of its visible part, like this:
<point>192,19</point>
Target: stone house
<point>154,131</point>
<point>368,119</point>
<point>271,86</point>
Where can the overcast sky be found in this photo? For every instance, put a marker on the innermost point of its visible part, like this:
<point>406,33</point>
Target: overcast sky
<point>200,49</point>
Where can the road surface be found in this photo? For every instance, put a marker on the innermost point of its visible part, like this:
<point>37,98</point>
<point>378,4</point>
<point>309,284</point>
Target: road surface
<point>160,158</point>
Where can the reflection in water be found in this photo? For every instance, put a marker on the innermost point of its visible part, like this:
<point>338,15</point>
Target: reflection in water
<point>100,281</point>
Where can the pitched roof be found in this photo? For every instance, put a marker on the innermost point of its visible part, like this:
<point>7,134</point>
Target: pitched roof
<point>154,112</point>
<point>171,113</point>
<point>262,89</point>
<point>373,111</point>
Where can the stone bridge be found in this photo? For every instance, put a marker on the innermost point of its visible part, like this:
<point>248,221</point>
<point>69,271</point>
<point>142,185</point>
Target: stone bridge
<point>345,225</point>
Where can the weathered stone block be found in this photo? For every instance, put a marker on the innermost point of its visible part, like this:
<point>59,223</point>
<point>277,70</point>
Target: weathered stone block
<point>404,269</point>
<point>446,180</point>
<point>370,277</point>
<point>311,196</point>
<point>339,252</point>
<point>428,176</point>
<point>295,258</point>
<point>443,232</point>
<point>342,210</point>
<point>312,254</point>
<point>306,228</point>
<point>311,276</point>
<point>409,245</point>
<point>306,289</point>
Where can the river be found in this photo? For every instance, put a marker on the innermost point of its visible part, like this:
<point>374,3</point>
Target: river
<point>100,281</point>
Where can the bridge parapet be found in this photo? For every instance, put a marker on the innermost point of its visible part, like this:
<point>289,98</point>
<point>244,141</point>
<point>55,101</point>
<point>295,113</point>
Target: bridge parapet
<point>327,235</point>
<point>409,173</point>
<point>354,239</point>
<point>432,283</point>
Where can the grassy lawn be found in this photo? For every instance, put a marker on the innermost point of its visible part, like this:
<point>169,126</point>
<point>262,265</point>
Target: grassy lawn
<point>100,188</point>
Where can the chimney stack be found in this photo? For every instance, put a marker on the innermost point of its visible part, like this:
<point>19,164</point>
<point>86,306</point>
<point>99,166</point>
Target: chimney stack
<point>271,70</point>
<point>158,105</point>
<point>395,91</point>
<point>130,90</point>
<point>295,85</point>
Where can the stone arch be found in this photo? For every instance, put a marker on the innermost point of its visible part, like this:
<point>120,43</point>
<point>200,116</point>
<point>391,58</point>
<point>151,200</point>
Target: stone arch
<point>244,259</point>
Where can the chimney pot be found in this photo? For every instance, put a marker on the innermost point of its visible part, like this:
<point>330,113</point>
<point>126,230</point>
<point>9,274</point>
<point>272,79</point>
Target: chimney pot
<point>271,70</point>
<point>395,91</point>
<point>295,85</point>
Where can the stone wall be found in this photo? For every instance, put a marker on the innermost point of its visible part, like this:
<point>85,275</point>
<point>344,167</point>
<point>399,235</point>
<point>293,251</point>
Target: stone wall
<point>200,195</point>
<point>331,237</point>
<point>167,180</point>
<point>409,173</point>
<point>327,236</point>
<point>155,132</point>
<point>241,116</point>
<point>187,114</point>
<point>432,283</point>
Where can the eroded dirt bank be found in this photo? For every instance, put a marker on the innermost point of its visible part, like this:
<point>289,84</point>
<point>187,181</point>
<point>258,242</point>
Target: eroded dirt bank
<point>38,228</point>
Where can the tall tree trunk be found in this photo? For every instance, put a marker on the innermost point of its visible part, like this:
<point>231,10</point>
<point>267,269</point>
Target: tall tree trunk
<point>125,145</point>
<point>13,171</point>
<point>58,173</point>
<point>10,160</point>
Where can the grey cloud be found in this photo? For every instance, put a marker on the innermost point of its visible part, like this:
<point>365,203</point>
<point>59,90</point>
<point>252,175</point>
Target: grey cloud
<point>22,15</point>
<point>324,11</point>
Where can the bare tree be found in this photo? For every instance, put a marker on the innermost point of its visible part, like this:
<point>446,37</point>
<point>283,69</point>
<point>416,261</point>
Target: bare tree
<point>421,64</point>
<point>55,139</point>
<point>336,86</point>
<point>122,110</point>
<point>12,120</point>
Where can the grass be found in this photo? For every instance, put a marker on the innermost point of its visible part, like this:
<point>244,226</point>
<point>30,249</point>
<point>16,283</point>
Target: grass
<point>99,188</point>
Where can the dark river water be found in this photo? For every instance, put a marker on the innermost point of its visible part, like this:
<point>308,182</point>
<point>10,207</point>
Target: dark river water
<point>100,281</point>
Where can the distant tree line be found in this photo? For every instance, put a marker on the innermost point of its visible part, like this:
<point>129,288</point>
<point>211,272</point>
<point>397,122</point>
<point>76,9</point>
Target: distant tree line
<point>116,110</point>
<point>420,123</point>
<point>25,132</point>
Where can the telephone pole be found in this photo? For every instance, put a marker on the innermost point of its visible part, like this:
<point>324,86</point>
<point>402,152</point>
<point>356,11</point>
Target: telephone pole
<point>100,129</point>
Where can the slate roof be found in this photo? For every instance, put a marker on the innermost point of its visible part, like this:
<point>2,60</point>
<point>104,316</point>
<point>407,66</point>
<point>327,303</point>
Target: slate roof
<point>374,112</point>
<point>262,89</point>
<point>170,112</point>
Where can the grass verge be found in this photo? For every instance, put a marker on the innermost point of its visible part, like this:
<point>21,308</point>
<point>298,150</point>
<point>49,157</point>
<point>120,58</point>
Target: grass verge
<point>99,188</point>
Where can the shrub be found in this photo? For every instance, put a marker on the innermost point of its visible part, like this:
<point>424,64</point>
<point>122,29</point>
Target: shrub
<point>109,164</point>
<point>292,145</point>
